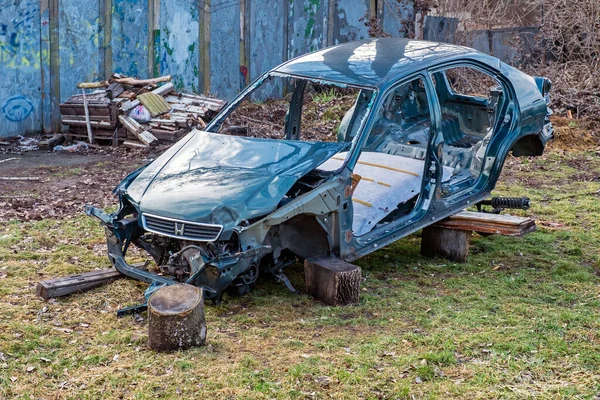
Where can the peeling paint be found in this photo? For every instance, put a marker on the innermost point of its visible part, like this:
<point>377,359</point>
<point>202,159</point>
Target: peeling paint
<point>180,30</point>
<point>20,66</point>
<point>129,37</point>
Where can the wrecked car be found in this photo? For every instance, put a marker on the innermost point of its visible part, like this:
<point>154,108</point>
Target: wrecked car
<point>339,152</point>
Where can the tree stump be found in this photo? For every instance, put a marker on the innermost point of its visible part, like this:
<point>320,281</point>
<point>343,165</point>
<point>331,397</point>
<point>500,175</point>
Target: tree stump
<point>452,244</point>
<point>176,318</point>
<point>332,280</point>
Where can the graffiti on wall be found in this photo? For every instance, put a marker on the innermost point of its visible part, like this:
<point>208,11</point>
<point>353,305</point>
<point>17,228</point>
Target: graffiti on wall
<point>17,108</point>
<point>80,40</point>
<point>273,32</point>
<point>20,67</point>
<point>180,30</point>
<point>130,46</point>
<point>18,47</point>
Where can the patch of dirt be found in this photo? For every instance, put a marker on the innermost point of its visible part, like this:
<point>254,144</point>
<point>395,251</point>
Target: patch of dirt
<point>67,182</point>
<point>548,170</point>
<point>575,134</point>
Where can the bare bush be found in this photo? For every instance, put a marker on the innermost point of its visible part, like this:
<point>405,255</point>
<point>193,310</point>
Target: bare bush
<point>568,43</point>
<point>571,30</point>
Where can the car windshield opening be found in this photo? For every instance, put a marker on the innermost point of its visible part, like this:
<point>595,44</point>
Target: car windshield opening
<point>292,108</point>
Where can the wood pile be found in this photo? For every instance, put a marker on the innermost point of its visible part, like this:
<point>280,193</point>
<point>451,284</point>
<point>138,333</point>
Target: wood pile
<point>137,113</point>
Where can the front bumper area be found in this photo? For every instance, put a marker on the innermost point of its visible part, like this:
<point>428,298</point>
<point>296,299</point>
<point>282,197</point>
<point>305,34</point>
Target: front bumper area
<point>216,275</point>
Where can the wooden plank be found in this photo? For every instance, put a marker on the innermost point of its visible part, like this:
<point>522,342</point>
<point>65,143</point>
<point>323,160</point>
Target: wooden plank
<point>507,225</point>
<point>76,283</point>
<point>169,136</point>
<point>51,142</point>
<point>95,124</point>
<point>93,118</point>
<point>183,108</point>
<point>138,130</point>
<point>134,145</point>
<point>75,109</point>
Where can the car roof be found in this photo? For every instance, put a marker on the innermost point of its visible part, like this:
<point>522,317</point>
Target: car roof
<point>372,62</point>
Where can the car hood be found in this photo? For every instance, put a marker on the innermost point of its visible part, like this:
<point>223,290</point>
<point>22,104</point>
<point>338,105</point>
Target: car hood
<point>222,179</point>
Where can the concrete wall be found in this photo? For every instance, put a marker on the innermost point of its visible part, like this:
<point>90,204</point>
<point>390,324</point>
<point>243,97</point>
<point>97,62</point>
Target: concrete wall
<point>212,46</point>
<point>511,45</point>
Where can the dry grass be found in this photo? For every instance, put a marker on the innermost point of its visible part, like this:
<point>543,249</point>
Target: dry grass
<point>519,320</point>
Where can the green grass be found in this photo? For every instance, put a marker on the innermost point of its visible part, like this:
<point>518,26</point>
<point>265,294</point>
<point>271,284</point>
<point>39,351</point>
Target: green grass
<point>520,319</point>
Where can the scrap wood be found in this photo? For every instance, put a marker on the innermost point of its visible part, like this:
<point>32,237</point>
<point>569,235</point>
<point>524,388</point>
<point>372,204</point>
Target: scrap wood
<point>134,145</point>
<point>143,82</point>
<point>93,85</point>
<point>123,80</point>
<point>164,89</point>
<point>19,178</point>
<point>53,141</point>
<point>190,109</point>
<point>76,283</point>
<point>138,130</point>
<point>196,100</point>
<point>128,94</point>
<point>87,117</point>
<point>9,159</point>
<point>115,89</point>
<point>507,225</point>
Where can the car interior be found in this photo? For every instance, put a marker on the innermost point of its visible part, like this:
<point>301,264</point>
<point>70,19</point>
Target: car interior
<point>390,168</point>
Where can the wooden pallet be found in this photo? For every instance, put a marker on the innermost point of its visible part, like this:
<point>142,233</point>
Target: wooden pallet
<point>102,111</point>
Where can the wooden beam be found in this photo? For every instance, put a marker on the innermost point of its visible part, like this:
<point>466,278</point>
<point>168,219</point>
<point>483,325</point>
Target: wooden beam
<point>53,6</point>
<point>76,283</point>
<point>143,82</point>
<point>204,53</point>
<point>138,130</point>
<point>106,22</point>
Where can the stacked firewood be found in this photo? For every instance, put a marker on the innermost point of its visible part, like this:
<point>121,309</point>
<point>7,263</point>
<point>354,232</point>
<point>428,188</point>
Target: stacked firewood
<point>135,112</point>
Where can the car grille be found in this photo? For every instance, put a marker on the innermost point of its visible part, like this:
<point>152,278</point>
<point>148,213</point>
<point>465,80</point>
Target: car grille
<point>181,229</point>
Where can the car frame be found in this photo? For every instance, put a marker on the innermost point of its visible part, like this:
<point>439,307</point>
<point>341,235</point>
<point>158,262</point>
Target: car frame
<point>323,216</point>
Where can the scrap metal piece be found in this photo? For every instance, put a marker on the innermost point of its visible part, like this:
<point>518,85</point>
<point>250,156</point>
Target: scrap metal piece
<point>281,277</point>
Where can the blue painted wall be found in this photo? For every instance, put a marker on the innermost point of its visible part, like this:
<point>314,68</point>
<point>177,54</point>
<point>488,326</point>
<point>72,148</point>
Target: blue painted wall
<point>129,37</point>
<point>20,68</point>
<point>80,37</point>
<point>215,46</point>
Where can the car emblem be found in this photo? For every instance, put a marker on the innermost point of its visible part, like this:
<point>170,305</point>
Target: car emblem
<point>179,228</point>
